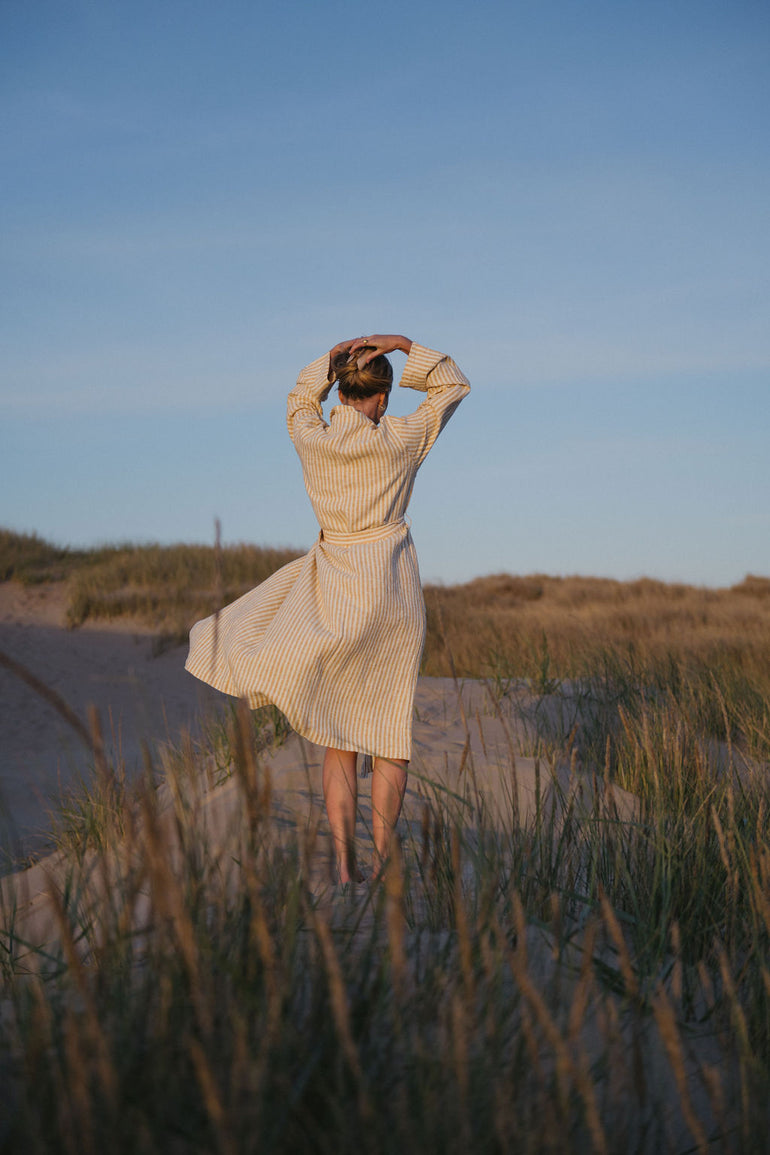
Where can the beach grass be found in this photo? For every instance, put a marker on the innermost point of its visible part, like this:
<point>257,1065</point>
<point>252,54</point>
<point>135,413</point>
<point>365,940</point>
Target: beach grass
<point>593,979</point>
<point>165,587</point>
<point>590,982</point>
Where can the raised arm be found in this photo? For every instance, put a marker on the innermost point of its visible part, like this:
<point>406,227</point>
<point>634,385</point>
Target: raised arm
<point>437,375</point>
<point>303,409</point>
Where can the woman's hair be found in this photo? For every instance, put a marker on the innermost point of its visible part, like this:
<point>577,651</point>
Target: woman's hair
<point>357,384</point>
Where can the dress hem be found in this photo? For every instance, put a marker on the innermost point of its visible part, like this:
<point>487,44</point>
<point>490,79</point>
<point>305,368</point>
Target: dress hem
<point>256,700</point>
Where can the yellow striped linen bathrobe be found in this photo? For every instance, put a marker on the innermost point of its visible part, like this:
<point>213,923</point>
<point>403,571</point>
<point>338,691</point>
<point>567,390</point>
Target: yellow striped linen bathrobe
<point>334,639</point>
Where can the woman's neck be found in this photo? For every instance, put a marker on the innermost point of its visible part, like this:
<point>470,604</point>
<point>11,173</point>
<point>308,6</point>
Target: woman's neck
<point>371,407</point>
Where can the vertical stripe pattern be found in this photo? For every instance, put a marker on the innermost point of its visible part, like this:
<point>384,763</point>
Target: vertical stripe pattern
<point>334,639</point>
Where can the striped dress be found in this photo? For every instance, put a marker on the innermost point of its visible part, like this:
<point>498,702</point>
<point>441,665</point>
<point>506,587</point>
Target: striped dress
<point>334,639</point>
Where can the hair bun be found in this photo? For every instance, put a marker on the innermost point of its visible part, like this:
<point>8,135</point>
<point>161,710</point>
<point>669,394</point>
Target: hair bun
<point>358,382</point>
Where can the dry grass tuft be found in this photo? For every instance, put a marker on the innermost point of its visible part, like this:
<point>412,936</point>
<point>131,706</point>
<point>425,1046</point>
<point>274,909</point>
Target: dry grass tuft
<point>517,623</point>
<point>168,587</point>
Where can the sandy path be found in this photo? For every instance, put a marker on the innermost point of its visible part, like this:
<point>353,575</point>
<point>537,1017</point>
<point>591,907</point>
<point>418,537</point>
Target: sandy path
<point>138,696</point>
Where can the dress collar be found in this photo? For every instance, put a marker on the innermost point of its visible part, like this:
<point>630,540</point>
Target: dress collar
<point>351,415</point>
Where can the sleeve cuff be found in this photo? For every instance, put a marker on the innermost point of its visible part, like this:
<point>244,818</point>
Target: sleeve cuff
<point>420,362</point>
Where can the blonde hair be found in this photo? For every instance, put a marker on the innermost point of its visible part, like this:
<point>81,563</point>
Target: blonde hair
<point>357,384</point>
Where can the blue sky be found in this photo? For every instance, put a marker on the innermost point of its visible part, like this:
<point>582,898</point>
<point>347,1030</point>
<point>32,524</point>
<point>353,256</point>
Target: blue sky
<point>570,198</point>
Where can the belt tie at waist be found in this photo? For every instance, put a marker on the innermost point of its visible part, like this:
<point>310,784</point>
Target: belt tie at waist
<point>376,533</point>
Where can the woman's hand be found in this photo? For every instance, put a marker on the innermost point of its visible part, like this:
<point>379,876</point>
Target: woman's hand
<point>342,347</point>
<point>378,343</point>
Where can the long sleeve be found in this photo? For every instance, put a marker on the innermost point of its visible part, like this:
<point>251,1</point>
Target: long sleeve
<point>437,375</point>
<point>303,412</point>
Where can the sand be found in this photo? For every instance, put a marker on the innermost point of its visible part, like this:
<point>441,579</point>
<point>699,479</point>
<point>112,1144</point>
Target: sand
<point>139,698</point>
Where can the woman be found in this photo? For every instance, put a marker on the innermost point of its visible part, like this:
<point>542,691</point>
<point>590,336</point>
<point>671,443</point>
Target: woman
<point>334,639</point>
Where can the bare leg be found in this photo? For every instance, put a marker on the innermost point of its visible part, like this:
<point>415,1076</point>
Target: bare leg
<point>388,789</point>
<point>340,795</point>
